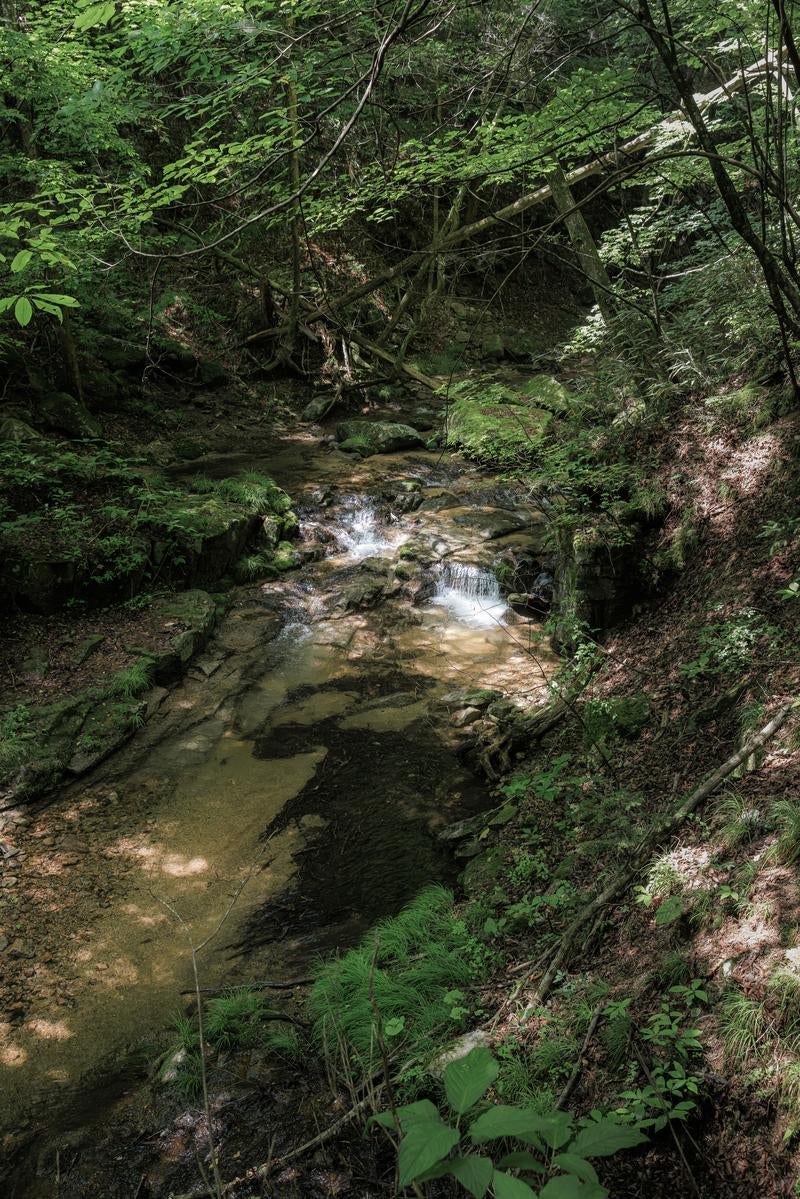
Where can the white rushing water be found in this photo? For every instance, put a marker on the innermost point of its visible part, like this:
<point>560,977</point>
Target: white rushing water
<point>470,594</point>
<point>360,531</point>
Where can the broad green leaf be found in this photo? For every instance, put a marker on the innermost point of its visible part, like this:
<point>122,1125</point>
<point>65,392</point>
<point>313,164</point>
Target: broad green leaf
<point>96,14</point>
<point>383,1119</point>
<point>605,1137</point>
<point>63,301</point>
<point>466,1079</point>
<point>425,1144</point>
<point>570,1187</point>
<point>23,311</point>
<point>20,261</point>
<point>473,1172</point>
<point>7,302</point>
<point>576,1165</point>
<point>394,1026</point>
<point>504,1121</point>
<point>522,1161</point>
<point>555,1129</point>
<point>53,309</point>
<point>506,1187</point>
<point>670,910</point>
<point>421,1109</point>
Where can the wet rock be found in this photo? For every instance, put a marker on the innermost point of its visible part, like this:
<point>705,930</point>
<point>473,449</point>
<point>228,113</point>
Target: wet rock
<point>319,408</point>
<point>364,591</point>
<point>473,697</point>
<point>464,717</point>
<point>377,437</point>
<point>492,523</point>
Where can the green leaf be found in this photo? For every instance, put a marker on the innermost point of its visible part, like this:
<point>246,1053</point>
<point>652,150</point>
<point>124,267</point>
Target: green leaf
<point>670,910</point>
<point>425,1144</point>
<point>96,14</point>
<point>504,1121</point>
<point>473,1172</point>
<point>570,1187</point>
<point>20,261</point>
<point>7,302</point>
<point>63,301</point>
<point>23,311</point>
<point>53,309</point>
<point>506,1187</point>
<point>605,1137</point>
<point>522,1161</point>
<point>393,1027</point>
<point>466,1079</point>
<point>555,1128</point>
<point>576,1165</point>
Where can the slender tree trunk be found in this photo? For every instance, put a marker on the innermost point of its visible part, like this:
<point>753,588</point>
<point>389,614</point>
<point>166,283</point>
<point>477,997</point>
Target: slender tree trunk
<point>580,235</point>
<point>782,289</point>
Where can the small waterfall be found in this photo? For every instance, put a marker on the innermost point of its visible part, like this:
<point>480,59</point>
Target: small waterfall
<point>470,593</point>
<point>360,531</point>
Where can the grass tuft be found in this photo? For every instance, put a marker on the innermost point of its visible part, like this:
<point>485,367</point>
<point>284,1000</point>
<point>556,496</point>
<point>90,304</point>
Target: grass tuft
<point>132,681</point>
<point>744,1024</point>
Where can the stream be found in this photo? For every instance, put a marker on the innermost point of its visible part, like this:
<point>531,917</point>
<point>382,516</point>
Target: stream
<point>287,793</point>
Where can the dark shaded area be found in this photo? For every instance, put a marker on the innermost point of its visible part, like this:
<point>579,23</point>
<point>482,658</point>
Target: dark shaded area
<point>383,796</point>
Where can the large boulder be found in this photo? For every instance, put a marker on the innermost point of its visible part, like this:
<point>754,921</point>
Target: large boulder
<point>63,413</point>
<point>377,437</point>
<point>17,431</point>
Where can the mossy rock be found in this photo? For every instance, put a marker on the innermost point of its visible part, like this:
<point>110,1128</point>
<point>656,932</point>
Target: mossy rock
<point>285,556</point>
<point>483,871</point>
<point>63,413</point>
<point>502,426</point>
<point>377,437</point>
<point>17,431</point>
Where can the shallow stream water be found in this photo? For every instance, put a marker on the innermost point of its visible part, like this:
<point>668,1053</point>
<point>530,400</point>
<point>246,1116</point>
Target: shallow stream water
<point>284,796</point>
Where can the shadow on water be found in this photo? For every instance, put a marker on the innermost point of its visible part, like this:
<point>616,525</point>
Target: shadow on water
<point>380,794</point>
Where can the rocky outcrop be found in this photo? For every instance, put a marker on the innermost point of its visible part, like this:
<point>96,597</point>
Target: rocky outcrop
<point>376,437</point>
<point>70,737</point>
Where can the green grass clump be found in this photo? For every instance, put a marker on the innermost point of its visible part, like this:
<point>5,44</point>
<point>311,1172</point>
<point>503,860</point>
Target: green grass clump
<point>741,821</point>
<point>744,1024</point>
<point>786,815</point>
<point>133,680</point>
<point>413,968</point>
<point>254,492</point>
<point>232,1019</point>
<point>15,737</point>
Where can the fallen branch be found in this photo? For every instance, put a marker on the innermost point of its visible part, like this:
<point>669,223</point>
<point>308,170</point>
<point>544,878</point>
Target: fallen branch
<point>260,986</point>
<point>569,1086</point>
<point>647,846</point>
<point>266,1168</point>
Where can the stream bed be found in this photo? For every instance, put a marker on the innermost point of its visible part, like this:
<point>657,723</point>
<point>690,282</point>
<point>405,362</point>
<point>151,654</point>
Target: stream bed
<point>287,793</point>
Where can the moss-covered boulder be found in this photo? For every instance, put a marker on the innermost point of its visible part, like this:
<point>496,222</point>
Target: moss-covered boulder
<point>501,425</point>
<point>377,437</point>
<point>64,413</point>
<point>17,431</point>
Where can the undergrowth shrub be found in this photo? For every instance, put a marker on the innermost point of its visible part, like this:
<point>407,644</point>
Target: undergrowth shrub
<point>412,974</point>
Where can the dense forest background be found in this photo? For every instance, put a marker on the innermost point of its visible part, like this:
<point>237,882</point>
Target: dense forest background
<point>556,240</point>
